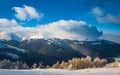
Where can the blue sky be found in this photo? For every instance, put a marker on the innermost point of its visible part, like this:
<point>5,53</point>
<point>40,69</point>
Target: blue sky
<point>103,14</point>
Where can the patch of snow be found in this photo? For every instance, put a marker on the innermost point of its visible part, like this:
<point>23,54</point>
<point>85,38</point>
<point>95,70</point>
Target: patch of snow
<point>53,40</point>
<point>49,43</point>
<point>93,71</point>
<point>50,40</point>
<point>12,55</point>
<point>96,43</point>
<point>18,49</point>
<point>59,43</point>
<point>12,47</point>
<point>118,59</point>
<point>108,65</point>
<point>81,42</point>
<point>75,43</point>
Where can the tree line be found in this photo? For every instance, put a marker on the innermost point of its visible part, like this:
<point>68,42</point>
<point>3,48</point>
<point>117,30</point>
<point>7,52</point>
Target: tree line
<point>73,64</point>
<point>80,63</point>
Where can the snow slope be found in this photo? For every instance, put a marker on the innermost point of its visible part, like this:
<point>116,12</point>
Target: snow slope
<point>98,71</point>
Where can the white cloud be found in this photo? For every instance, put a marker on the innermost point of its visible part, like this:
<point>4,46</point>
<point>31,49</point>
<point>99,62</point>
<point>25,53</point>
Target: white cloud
<point>63,29</point>
<point>105,18</point>
<point>111,37</point>
<point>6,23</point>
<point>97,11</point>
<point>27,13</point>
<point>71,29</point>
<point>4,35</point>
<point>109,19</point>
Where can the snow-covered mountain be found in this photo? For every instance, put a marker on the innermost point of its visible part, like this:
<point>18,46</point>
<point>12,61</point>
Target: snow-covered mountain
<point>52,50</point>
<point>11,51</point>
<point>30,57</point>
<point>65,48</point>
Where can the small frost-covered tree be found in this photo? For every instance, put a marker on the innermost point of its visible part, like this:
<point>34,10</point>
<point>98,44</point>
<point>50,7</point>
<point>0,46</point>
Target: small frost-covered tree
<point>25,66</point>
<point>17,65</point>
<point>34,66</point>
<point>41,65</point>
<point>3,64</point>
<point>7,64</point>
<point>56,66</point>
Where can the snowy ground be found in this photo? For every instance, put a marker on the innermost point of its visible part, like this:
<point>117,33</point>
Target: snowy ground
<point>98,71</point>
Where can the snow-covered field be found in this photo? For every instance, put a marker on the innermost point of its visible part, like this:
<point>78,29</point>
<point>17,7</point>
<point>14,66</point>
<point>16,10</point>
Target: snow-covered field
<point>98,71</point>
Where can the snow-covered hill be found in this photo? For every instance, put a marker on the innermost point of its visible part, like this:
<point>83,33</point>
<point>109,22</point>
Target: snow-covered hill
<point>15,53</point>
<point>11,51</point>
<point>4,46</point>
<point>98,71</point>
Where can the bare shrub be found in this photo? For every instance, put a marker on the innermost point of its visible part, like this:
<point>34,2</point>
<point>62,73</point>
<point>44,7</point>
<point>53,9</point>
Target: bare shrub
<point>115,64</point>
<point>56,66</point>
<point>80,63</point>
<point>97,62</point>
<point>64,65</point>
<point>76,63</point>
<point>103,62</point>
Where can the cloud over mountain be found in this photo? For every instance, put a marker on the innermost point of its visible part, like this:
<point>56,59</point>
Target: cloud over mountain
<point>111,37</point>
<point>63,29</point>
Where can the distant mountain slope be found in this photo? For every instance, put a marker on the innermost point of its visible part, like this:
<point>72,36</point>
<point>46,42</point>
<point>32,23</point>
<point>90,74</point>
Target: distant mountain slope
<point>51,50</point>
<point>30,57</point>
<point>70,48</point>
